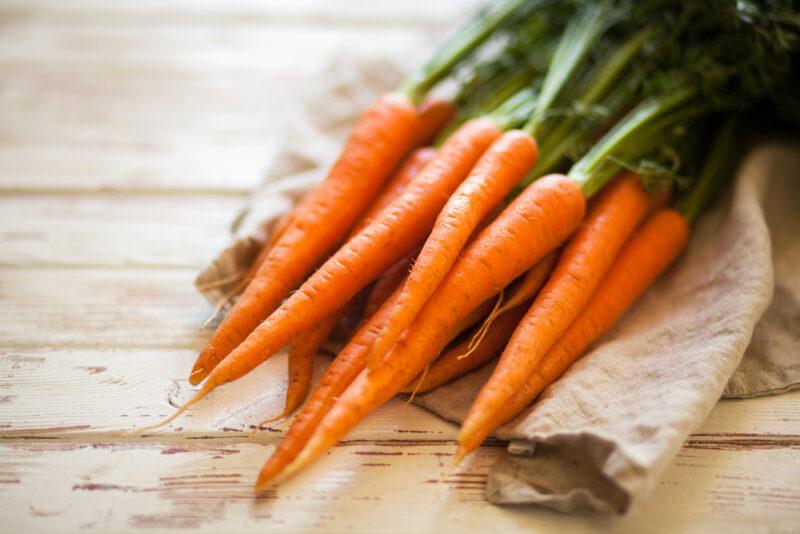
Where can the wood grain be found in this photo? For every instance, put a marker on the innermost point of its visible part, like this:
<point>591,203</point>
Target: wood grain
<point>176,102</point>
<point>112,230</point>
<point>331,13</point>
<point>125,308</point>
<point>122,381</point>
<point>206,486</point>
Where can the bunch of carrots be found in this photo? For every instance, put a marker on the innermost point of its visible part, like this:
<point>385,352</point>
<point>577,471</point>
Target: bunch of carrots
<point>508,219</point>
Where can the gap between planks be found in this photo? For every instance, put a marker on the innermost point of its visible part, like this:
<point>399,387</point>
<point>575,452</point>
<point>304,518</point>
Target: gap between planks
<point>271,436</point>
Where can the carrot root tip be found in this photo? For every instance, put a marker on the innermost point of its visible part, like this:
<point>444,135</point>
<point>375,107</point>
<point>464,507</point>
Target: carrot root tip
<point>195,399</point>
<point>262,484</point>
<point>268,420</point>
<point>198,375</point>
<point>458,457</point>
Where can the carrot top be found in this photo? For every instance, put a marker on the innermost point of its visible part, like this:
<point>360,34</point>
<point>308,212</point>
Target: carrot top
<point>581,33</point>
<point>718,167</point>
<point>633,137</point>
<point>606,90</point>
<point>462,43</point>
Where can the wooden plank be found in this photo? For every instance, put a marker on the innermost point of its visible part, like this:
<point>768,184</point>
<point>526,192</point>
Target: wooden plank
<point>126,103</point>
<point>207,486</point>
<point>125,308</point>
<point>108,230</point>
<point>179,49</point>
<point>93,392</point>
<point>332,12</point>
<point>132,109</point>
<point>764,415</point>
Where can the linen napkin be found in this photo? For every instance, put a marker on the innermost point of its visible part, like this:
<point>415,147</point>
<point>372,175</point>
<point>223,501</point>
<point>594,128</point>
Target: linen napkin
<point>724,321</point>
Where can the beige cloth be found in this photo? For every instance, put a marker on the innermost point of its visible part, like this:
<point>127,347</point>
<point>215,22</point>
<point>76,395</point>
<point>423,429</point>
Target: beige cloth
<point>599,439</point>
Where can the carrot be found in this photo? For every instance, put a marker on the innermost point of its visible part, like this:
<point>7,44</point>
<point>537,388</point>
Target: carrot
<point>463,358</point>
<point>487,340</point>
<point>305,347</point>
<point>531,283</point>
<point>393,234</point>
<point>241,280</point>
<point>410,168</point>
<point>527,288</point>
<point>301,362</point>
<point>472,318</point>
<point>380,138</point>
<point>388,282</point>
<point>382,135</point>
<point>433,114</point>
<point>339,374</point>
<point>535,223</point>
<point>427,126</point>
<point>503,165</point>
<point>405,174</point>
<point>652,249</point>
<point>585,259</point>
<point>345,367</point>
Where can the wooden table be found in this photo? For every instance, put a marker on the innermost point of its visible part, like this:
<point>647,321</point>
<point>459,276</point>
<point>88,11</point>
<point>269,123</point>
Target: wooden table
<point>130,134</point>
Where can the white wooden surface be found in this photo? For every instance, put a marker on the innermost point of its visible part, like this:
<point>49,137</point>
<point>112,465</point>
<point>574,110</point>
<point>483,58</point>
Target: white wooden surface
<point>129,134</point>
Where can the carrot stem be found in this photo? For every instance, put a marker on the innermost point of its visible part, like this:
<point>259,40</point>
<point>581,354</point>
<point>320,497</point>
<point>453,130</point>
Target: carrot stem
<point>581,33</point>
<point>716,170</point>
<point>525,54</point>
<point>603,82</point>
<point>595,169</point>
<point>508,98</point>
<point>515,110</point>
<point>458,46</point>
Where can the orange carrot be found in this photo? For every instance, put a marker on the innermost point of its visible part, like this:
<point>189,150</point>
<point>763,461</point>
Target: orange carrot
<point>489,339</point>
<point>531,283</point>
<point>240,280</point>
<point>408,170</point>
<point>462,358</point>
<point>526,289</point>
<point>398,229</point>
<point>388,282</point>
<point>433,114</point>
<point>339,374</point>
<point>471,319</point>
<point>305,347</point>
<point>503,165</point>
<point>301,362</point>
<point>587,256</point>
<point>410,167</point>
<point>535,223</point>
<point>345,367</point>
<point>652,249</point>
<point>380,138</point>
